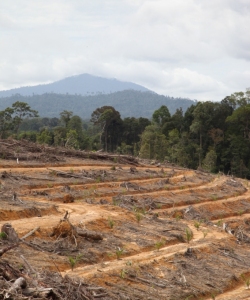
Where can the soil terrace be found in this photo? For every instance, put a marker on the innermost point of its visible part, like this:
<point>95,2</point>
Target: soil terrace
<point>135,230</point>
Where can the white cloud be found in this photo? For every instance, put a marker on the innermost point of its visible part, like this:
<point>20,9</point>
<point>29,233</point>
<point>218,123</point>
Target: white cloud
<point>198,49</point>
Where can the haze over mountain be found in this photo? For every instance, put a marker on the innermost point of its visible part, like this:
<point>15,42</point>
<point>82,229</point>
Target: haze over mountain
<point>84,84</point>
<point>82,94</point>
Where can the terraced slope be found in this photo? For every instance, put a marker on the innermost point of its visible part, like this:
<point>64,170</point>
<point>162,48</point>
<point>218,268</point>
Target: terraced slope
<point>134,232</point>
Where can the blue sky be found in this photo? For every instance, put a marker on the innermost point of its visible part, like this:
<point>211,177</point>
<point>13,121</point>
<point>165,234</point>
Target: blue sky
<point>189,48</point>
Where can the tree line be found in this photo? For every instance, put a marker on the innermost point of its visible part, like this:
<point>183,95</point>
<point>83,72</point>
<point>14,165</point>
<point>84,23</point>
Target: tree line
<point>214,136</point>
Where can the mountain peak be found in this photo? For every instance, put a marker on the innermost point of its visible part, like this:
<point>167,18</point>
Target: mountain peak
<point>82,84</point>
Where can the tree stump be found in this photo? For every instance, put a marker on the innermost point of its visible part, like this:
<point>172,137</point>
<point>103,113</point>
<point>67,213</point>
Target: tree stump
<point>10,232</point>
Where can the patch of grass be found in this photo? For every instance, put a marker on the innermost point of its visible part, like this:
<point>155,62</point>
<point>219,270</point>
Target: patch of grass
<point>219,223</point>
<point>178,217</point>
<point>123,273</point>
<point>115,160</point>
<point>50,185</point>
<point>115,201</point>
<point>139,210</point>
<point>3,235</point>
<point>124,190</point>
<point>52,173</point>
<point>138,216</point>
<point>111,222</point>
<point>205,233</point>
<point>197,225</point>
<point>73,261</point>
<point>160,244</point>
<point>213,295</point>
<point>214,197</point>
<point>98,179</point>
<point>189,235</point>
<point>119,252</point>
<point>113,168</point>
<point>246,281</point>
<point>240,212</point>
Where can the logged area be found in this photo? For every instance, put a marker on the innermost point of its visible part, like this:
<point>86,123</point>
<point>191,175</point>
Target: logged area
<point>79,225</point>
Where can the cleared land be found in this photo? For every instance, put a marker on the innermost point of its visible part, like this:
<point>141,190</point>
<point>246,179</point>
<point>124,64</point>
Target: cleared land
<point>110,227</point>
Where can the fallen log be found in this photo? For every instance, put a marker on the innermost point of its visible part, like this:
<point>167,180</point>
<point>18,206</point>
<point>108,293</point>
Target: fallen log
<point>66,174</point>
<point>92,235</point>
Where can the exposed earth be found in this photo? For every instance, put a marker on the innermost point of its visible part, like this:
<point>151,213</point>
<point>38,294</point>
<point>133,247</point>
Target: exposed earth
<point>105,226</point>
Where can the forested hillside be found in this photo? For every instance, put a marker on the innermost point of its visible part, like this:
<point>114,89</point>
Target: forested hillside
<point>129,103</point>
<point>214,136</point>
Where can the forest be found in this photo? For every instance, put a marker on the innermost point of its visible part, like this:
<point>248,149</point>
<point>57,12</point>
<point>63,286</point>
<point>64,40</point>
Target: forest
<point>213,136</point>
<point>129,103</point>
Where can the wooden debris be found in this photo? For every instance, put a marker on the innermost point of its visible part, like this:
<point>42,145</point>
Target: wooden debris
<point>91,235</point>
<point>6,249</point>
<point>67,174</point>
<point>30,233</point>
<point>20,283</point>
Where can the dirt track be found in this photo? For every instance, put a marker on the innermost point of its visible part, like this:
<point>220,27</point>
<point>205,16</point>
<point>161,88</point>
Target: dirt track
<point>144,215</point>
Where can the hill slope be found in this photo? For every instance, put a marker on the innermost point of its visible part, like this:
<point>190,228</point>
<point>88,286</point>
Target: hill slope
<point>129,103</point>
<point>83,84</point>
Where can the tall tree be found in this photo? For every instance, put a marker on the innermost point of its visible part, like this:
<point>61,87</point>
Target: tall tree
<point>108,119</point>
<point>202,123</point>
<point>153,143</point>
<point>21,111</point>
<point>5,121</point>
<point>65,117</point>
<point>161,115</point>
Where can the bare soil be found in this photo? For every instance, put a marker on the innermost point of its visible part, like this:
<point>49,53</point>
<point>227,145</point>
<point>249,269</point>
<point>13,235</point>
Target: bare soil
<point>112,227</point>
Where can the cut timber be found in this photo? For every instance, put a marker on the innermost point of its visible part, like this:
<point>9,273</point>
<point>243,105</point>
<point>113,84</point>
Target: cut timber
<point>92,235</point>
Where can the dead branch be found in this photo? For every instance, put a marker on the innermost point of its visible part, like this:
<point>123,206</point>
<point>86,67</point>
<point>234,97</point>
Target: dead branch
<point>28,264</point>
<point>4,250</point>
<point>66,216</point>
<point>30,233</point>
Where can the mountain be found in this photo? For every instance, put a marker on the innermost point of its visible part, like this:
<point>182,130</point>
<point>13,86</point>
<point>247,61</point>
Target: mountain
<point>83,84</point>
<point>129,103</point>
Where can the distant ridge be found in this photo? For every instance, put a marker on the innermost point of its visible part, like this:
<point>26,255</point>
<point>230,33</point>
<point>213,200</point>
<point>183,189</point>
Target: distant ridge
<point>129,103</point>
<point>84,84</point>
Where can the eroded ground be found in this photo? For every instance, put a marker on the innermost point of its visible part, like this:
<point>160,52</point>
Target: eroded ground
<point>131,231</point>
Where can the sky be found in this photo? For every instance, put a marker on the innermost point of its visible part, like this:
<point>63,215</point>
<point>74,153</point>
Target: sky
<point>197,49</point>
